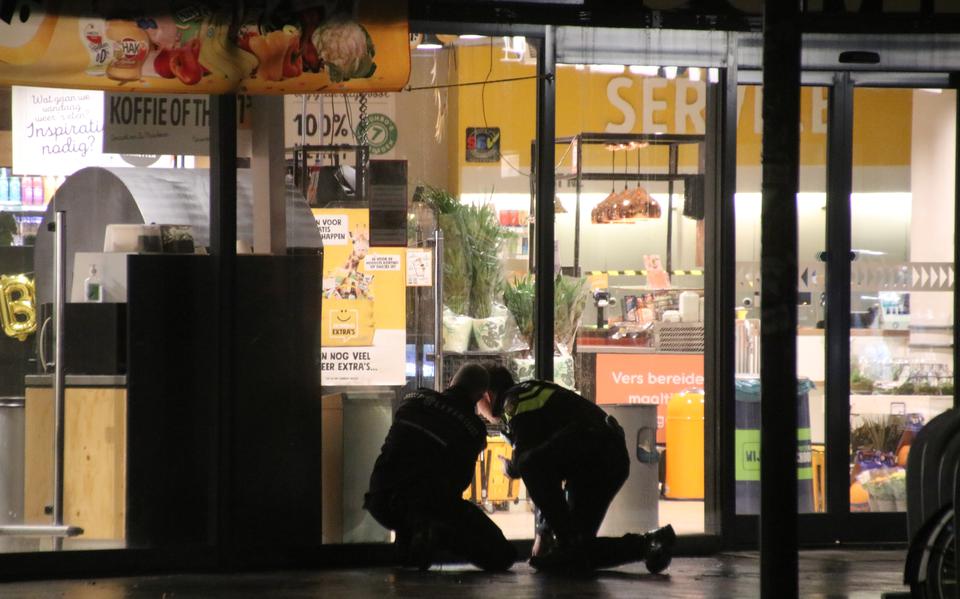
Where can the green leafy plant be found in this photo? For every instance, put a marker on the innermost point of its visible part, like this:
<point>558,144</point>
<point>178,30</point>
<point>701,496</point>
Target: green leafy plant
<point>907,388</point>
<point>456,264</point>
<point>880,434</point>
<point>569,300</point>
<point>860,383</point>
<point>8,228</point>
<point>518,297</point>
<point>472,238</point>
<point>484,237</point>
<point>441,200</point>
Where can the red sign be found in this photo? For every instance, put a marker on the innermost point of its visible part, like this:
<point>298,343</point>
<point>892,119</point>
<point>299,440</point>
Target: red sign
<point>647,379</point>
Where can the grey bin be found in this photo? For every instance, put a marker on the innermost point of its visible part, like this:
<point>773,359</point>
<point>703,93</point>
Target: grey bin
<point>11,460</point>
<point>636,506</point>
<point>355,423</point>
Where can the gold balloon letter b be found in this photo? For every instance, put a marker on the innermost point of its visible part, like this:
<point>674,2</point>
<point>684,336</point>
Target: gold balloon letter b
<point>17,312</point>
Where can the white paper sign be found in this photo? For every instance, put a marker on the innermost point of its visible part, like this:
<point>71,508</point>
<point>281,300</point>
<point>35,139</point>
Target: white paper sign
<point>377,364</point>
<point>381,262</point>
<point>326,119</point>
<point>419,268</point>
<point>333,229</point>
<point>156,124</point>
<point>60,131</point>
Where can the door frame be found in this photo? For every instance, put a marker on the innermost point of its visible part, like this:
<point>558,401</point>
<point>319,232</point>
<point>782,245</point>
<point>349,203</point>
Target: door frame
<point>838,524</point>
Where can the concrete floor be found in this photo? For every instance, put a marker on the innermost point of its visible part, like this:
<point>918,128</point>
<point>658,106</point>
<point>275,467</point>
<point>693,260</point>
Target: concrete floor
<point>823,574</point>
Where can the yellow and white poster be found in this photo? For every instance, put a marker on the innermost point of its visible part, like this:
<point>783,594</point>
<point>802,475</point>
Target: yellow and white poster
<point>363,311</point>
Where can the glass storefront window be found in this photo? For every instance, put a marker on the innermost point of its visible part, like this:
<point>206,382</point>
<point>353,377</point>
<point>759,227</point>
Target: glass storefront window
<point>901,288</point>
<point>811,278</point>
<point>630,225</point>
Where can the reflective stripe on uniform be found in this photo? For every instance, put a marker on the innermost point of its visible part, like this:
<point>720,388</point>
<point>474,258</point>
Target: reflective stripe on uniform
<point>528,401</point>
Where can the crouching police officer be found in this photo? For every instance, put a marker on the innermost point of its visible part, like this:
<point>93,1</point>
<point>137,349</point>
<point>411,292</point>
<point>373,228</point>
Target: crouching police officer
<point>426,462</point>
<point>573,459</point>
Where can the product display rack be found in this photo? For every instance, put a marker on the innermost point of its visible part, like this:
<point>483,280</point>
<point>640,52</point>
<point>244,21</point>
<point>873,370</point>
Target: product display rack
<point>670,140</point>
<point>301,166</point>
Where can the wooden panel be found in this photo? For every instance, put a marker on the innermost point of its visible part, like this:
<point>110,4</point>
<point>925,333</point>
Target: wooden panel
<point>38,455</point>
<point>94,486</point>
<point>6,148</point>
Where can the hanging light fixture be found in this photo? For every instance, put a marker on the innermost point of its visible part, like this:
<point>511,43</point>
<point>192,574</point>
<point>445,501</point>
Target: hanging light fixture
<point>430,42</point>
<point>629,205</point>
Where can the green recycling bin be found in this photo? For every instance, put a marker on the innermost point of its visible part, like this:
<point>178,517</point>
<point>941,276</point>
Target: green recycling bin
<point>747,443</point>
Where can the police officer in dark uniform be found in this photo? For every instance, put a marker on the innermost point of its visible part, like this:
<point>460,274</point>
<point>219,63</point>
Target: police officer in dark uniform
<point>573,459</point>
<point>425,464</point>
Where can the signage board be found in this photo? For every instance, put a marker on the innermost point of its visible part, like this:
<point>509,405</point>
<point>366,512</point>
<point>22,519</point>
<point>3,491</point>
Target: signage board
<point>363,310</point>
<point>650,379</point>
<point>313,46</point>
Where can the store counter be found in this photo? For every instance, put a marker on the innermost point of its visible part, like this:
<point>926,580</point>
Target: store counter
<point>95,453</point>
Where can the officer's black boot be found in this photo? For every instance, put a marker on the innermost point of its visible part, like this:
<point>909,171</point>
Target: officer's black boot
<point>659,549</point>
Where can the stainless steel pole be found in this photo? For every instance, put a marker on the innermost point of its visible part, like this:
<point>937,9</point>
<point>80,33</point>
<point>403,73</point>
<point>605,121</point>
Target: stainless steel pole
<point>60,287</point>
<point>58,529</point>
<point>438,309</point>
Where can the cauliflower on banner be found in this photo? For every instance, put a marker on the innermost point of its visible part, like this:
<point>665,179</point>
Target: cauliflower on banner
<point>346,50</point>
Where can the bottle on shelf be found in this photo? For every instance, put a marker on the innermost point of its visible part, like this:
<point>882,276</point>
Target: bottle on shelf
<point>26,190</point>
<point>49,188</point>
<point>92,287</point>
<point>38,191</point>
<point>13,191</point>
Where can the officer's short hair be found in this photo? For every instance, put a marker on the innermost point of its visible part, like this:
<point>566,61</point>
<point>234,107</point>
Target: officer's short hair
<point>501,380</point>
<point>472,379</point>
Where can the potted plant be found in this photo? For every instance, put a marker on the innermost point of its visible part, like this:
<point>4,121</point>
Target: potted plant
<point>484,237</point>
<point>456,271</point>
<point>570,299</point>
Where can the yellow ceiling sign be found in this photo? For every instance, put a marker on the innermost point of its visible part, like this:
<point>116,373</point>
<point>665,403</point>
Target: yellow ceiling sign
<point>591,101</point>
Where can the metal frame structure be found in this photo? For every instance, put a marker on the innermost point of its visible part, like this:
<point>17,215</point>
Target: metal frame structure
<point>301,167</point>
<point>672,140</point>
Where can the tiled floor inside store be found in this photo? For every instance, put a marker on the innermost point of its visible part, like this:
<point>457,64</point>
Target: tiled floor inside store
<point>823,574</point>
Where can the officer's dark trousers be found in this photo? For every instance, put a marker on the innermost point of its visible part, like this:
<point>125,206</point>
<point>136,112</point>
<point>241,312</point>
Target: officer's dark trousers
<point>458,526</point>
<point>572,479</point>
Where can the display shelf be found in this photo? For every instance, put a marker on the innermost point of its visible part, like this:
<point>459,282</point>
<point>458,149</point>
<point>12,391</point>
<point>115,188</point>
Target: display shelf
<point>656,289</point>
<point>21,209</point>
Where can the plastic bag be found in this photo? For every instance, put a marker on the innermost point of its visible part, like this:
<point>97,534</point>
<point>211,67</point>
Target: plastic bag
<point>456,331</point>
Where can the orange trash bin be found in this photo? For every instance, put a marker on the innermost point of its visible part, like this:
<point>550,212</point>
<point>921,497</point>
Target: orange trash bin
<point>684,478</point>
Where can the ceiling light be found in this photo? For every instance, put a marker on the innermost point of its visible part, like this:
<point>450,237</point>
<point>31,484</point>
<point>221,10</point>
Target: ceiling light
<point>713,75</point>
<point>648,71</point>
<point>472,37</point>
<point>670,72</point>
<point>429,42</point>
<point>693,73</point>
<point>614,69</point>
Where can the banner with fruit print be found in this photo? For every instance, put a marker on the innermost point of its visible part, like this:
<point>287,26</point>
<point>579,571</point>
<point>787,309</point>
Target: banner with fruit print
<point>311,46</point>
